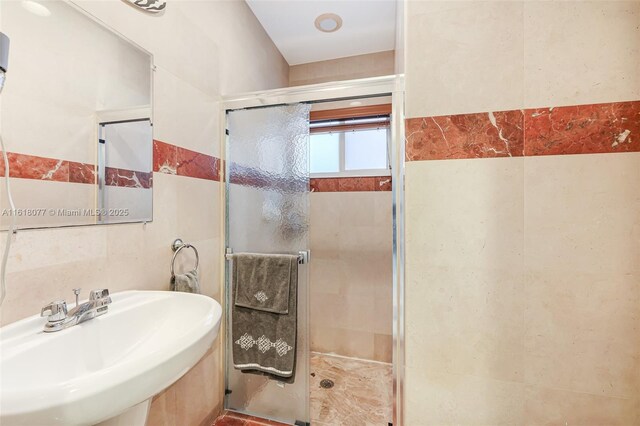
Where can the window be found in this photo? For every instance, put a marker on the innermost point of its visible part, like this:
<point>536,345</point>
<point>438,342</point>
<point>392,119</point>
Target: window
<point>356,152</point>
<point>365,149</point>
<point>324,153</point>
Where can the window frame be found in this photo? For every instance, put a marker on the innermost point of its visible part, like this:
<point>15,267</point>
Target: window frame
<point>341,163</point>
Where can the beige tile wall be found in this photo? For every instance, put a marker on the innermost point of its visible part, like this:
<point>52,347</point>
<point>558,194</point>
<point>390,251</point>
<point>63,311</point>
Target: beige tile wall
<point>400,47</point>
<point>523,289</point>
<point>582,276</point>
<point>351,274</point>
<point>201,50</point>
<point>463,56</point>
<point>349,68</point>
<point>589,55</point>
<point>522,276</point>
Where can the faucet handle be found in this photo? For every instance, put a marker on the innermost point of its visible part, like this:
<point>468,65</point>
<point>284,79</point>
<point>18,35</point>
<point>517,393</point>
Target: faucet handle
<point>101,295</point>
<point>55,311</point>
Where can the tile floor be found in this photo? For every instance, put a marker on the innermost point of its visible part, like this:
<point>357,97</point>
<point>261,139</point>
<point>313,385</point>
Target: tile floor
<point>362,394</point>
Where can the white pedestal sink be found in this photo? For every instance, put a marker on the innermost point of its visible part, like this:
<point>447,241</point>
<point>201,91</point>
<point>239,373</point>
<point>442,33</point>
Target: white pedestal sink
<point>105,370</point>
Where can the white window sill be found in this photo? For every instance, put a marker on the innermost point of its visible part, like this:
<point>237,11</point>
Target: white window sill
<point>351,173</point>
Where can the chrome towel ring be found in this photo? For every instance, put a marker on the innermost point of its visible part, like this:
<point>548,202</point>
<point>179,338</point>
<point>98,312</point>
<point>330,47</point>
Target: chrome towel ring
<point>178,245</point>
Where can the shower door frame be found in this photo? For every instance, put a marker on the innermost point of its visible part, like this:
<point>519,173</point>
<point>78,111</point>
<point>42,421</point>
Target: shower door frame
<point>392,85</point>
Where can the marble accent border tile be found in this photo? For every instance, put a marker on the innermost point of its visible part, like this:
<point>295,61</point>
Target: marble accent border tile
<point>351,184</point>
<point>127,178</point>
<point>82,172</point>
<point>27,166</point>
<point>480,135</point>
<point>581,129</point>
<point>165,157</point>
<point>175,160</point>
<point>197,165</point>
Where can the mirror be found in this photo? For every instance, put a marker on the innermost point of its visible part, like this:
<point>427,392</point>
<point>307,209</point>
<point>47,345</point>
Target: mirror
<point>75,116</point>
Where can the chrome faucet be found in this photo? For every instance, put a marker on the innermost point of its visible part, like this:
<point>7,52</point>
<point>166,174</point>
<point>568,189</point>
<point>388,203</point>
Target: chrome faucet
<point>58,318</point>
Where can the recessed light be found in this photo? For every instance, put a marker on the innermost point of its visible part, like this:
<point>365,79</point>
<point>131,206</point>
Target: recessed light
<point>355,103</point>
<point>36,8</point>
<point>328,22</point>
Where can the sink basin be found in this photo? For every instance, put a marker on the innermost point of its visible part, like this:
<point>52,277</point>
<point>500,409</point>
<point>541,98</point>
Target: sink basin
<point>100,369</point>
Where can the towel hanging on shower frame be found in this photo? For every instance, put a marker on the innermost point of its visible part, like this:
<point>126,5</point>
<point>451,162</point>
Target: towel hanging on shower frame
<point>304,256</point>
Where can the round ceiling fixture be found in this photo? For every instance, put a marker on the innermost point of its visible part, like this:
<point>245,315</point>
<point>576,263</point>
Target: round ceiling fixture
<point>36,8</point>
<point>328,22</point>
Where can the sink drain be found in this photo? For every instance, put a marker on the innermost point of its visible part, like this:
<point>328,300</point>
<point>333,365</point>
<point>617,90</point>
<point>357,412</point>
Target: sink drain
<point>326,383</point>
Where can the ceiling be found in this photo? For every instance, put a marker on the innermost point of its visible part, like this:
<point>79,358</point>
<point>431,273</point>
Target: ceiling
<point>368,26</point>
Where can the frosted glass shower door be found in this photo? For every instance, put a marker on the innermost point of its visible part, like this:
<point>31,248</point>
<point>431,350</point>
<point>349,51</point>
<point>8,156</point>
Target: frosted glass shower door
<point>267,186</point>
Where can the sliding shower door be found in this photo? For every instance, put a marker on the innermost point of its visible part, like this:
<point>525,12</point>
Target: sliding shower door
<point>267,211</point>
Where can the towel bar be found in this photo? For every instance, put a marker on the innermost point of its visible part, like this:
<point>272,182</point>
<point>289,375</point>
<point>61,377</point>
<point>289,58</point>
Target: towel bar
<point>178,245</point>
<point>303,256</point>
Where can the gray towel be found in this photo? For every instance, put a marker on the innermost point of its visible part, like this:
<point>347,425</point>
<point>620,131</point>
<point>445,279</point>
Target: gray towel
<point>187,282</point>
<point>265,342</point>
<point>262,281</point>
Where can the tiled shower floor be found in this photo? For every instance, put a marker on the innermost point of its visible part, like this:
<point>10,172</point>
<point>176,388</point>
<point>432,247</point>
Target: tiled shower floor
<point>362,393</point>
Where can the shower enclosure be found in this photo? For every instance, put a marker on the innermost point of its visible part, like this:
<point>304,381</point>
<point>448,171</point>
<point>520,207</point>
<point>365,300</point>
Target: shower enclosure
<point>267,211</point>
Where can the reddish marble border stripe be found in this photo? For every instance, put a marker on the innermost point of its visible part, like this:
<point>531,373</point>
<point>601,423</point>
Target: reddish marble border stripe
<point>583,129</point>
<point>197,165</point>
<point>27,166</point>
<point>351,184</point>
<point>82,172</point>
<point>247,176</point>
<point>124,178</point>
<point>481,135</point>
<point>180,161</point>
<point>165,157</point>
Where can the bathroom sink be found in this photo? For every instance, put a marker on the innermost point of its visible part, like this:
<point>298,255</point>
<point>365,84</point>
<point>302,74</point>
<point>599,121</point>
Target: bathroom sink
<point>98,370</point>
